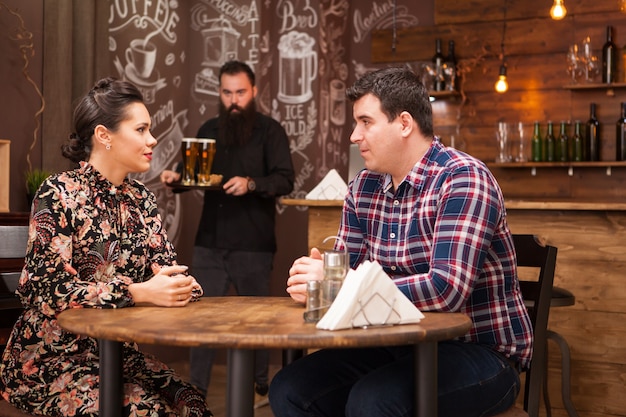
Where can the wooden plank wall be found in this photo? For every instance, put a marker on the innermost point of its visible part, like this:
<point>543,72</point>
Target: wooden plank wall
<point>535,49</point>
<point>590,263</point>
<point>591,257</point>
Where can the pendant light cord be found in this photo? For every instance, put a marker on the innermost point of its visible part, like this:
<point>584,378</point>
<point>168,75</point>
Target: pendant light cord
<point>394,38</point>
<point>503,33</point>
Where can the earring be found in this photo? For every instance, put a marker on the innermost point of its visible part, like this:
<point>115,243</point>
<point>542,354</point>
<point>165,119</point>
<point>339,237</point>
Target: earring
<point>108,147</point>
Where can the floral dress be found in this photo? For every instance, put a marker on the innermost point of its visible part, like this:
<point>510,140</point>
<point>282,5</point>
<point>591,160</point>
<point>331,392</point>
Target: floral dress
<point>88,240</point>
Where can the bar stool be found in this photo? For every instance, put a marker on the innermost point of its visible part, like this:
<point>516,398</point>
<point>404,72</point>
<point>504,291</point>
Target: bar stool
<point>561,298</point>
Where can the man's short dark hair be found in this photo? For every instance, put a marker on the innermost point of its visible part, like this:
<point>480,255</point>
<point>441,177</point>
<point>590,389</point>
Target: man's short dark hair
<point>398,89</point>
<point>236,67</point>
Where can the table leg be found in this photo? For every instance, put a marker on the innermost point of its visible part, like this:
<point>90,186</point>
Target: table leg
<point>240,383</point>
<point>111,388</point>
<point>426,379</point>
<point>290,355</point>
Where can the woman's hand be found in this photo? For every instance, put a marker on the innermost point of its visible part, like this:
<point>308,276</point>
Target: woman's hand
<point>304,269</point>
<point>169,287</point>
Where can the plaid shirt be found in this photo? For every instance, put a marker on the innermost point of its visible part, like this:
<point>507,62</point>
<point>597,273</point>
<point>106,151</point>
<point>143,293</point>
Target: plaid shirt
<point>443,238</point>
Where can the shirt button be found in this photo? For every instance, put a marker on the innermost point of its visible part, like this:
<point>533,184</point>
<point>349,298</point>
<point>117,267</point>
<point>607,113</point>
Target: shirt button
<point>393,268</point>
<point>396,202</point>
<point>393,235</point>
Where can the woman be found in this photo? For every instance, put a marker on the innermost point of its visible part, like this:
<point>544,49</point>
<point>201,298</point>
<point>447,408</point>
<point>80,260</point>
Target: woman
<point>96,241</point>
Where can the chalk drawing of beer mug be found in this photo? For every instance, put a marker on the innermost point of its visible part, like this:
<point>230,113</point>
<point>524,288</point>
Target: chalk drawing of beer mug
<point>297,67</point>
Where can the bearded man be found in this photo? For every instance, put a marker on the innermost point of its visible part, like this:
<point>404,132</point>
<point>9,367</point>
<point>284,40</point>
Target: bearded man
<point>235,242</point>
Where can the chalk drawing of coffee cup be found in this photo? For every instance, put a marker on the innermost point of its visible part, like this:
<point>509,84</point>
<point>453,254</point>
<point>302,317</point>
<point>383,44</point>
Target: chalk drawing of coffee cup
<point>297,67</point>
<point>141,56</point>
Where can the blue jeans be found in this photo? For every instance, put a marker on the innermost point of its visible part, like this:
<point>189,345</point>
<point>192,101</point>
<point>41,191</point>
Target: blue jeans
<point>216,270</point>
<point>473,380</point>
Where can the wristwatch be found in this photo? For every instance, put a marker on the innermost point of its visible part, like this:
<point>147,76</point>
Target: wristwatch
<point>251,184</point>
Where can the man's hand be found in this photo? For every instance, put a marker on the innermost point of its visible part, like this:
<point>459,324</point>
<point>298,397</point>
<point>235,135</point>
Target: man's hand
<point>304,269</point>
<point>168,176</point>
<point>237,186</point>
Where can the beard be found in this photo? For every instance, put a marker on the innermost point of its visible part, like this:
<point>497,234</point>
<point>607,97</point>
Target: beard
<point>235,124</point>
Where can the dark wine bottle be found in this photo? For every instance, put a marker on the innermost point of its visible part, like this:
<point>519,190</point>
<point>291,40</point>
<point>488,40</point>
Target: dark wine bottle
<point>593,135</point>
<point>450,68</point>
<point>562,149</point>
<point>609,58</point>
<point>438,61</point>
<point>550,144</point>
<point>536,145</point>
<point>620,136</point>
<point>578,146</point>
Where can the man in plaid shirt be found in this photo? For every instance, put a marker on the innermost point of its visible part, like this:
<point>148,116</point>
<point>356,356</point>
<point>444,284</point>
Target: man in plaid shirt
<point>434,218</point>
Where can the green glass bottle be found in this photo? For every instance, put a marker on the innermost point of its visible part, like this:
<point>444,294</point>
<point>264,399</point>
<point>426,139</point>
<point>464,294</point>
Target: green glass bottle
<point>536,144</point>
<point>578,147</point>
<point>550,144</point>
<point>562,148</point>
<point>620,136</point>
<point>593,135</point>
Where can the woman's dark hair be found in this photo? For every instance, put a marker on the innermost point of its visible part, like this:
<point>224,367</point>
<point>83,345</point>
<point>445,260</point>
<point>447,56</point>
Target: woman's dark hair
<point>236,67</point>
<point>106,105</point>
<point>398,89</point>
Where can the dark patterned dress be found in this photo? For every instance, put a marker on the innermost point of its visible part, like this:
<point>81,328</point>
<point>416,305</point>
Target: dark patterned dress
<point>88,240</point>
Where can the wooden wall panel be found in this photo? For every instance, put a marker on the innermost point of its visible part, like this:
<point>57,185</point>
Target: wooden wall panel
<point>590,263</point>
<point>460,11</point>
<point>535,49</point>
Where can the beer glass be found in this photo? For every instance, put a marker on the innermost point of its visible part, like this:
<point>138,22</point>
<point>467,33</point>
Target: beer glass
<point>504,142</point>
<point>189,149</point>
<point>206,152</point>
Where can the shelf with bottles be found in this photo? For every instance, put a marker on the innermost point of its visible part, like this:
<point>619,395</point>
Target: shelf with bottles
<point>590,66</point>
<point>610,88</point>
<point>443,95</point>
<point>607,165</point>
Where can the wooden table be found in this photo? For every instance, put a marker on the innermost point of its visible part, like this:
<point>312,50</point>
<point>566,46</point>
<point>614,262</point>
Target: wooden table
<point>242,324</point>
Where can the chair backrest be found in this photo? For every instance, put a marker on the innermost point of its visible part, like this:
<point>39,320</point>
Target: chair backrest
<point>13,239</point>
<point>537,295</point>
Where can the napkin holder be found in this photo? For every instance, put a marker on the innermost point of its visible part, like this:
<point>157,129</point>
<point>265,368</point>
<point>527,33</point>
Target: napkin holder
<point>368,297</point>
<point>332,187</point>
<point>384,309</point>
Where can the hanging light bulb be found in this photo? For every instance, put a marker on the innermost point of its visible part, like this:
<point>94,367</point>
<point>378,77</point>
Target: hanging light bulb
<point>558,11</point>
<point>502,85</point>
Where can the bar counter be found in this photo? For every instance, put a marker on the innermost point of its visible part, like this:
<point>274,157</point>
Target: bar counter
<point>563,205</point>
<point>590,237</point>
<point>323,218</point>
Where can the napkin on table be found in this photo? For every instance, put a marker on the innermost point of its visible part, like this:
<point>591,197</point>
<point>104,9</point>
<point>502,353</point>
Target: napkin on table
<point>368,297</point>
<point>332,187</point>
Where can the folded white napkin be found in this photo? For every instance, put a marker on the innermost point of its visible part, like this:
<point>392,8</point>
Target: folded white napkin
<point>368,297</point>
<point>332,187</point>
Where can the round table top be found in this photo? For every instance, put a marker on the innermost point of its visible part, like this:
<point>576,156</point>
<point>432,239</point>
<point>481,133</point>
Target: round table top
<point>248,323</point>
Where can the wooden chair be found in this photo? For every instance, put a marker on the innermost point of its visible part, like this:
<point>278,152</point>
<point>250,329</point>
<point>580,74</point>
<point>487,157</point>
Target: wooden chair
<point>537,297</point>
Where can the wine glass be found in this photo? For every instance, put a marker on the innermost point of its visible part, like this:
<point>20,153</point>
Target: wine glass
<point>593,69</point>
<point>574,67</point>
<point>590,61</point>
<point>519,142</point>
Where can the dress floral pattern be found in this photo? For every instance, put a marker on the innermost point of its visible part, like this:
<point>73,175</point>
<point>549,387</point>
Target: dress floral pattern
<point>88,240</point>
